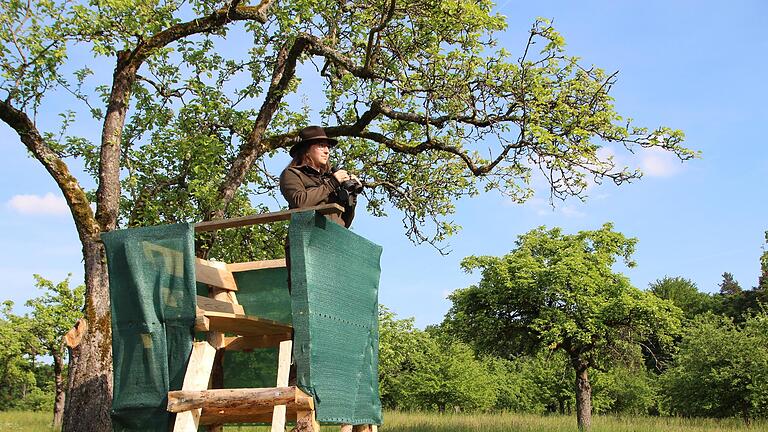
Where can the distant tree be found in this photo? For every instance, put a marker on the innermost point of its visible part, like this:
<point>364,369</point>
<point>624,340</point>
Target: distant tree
<point>729,285</point>
<point>448,376</point>
<point>721,369</point>
<point>399,341</point>
<point>684,294</point>
<point>762,283</point>
<point>627,387</point>
<point>419,370</point>
<point>17,376</point>
<point>559,292</point>
<point>741,303</point>
<point>52,315</point>
<point>540,383</point>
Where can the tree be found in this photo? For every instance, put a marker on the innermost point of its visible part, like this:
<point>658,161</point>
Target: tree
<point>762,283</point>
<point>399,341</point>
<point>423,370</point>
<point>420,90</point>
<point>52,315</point>
<point>16,374</point>
<point>684,294</point>
<point>729,285</point>
<point>559,292</point>
<point>721,369</point>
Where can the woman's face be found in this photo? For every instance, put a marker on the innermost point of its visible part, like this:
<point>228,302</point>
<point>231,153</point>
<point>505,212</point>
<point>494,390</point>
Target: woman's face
<point>318,153</point>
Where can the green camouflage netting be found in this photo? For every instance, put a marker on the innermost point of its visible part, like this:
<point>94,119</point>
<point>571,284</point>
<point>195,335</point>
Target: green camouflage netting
<point>335,286</point>
<point>152,293</point>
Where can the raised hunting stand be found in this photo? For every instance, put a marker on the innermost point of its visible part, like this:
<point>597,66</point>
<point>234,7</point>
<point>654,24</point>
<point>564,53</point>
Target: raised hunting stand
<point>248,327</point>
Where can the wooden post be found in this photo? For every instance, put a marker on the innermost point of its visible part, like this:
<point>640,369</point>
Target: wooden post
<point>305,422</point>
<point>283,368</point>
<point>196,378</point>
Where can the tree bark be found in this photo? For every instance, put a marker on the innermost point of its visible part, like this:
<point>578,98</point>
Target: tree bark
<point>583,395</point>
<point>58,375</point>
<point>90,365</point>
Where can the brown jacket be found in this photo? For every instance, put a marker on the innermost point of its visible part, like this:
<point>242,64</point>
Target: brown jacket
<point>304,186</point>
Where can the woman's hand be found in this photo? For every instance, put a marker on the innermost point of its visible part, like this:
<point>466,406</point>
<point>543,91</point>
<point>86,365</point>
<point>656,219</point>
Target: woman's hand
<point>341,176</point>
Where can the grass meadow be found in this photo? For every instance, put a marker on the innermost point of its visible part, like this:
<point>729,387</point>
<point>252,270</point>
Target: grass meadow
<point>501,422</point>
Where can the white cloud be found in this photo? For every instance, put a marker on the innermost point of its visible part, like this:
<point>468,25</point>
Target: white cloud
<point>572,212</point>
<point>49,204</point>
<point>543,207</point>
<point>659,163</point>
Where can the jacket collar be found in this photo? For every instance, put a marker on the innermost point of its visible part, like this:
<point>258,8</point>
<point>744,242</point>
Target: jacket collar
<point>308,170</point>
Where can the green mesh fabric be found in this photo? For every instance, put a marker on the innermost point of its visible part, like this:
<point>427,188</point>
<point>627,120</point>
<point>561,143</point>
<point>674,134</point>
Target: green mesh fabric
<point>335,281</point>
<point>263,293</point>
<point>152,297</point>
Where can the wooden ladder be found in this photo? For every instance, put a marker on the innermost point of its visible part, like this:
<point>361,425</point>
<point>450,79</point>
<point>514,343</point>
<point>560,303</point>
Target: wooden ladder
<point>196,404</point>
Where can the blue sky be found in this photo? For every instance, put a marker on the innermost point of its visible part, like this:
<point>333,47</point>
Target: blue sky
<point>684,64</point>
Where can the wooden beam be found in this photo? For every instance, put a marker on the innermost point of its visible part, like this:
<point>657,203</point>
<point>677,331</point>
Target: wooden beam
<point>202,323</point>
<point>243,400</point>
<point>195,379</point>
<point>214,273</point>
<point>256,265</point>
<point>243,325</point>
<point>213,225</point>
<point>247,343</point>
<point>207,304</point>
<point>283,368</point>
<point>248,414</point>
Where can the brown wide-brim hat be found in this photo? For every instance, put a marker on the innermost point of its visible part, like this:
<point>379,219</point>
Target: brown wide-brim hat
<point>308,136</point>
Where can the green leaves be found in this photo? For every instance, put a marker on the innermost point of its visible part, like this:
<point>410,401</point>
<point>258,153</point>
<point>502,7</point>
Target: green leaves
<point>559,291</point>
<point>721,369</point>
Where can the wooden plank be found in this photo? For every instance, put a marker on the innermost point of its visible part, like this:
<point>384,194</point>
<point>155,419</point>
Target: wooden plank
<point>202,323</point>
<point>208,304</point>
<point>244,325</point>
<point>283,367</point>
<point>214,273</point>
<point>264,218</point>
<point>256,265</point>
<point>243,399</point>
<point>247,343</point>
<point>195,378</point>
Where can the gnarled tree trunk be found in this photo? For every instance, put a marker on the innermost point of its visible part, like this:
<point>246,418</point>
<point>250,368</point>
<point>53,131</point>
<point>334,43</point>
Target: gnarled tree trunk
<point>90,364</point>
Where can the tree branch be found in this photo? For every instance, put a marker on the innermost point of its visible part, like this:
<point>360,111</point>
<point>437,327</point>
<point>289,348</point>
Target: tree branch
<point>78,203</point>
<point>255,146</point>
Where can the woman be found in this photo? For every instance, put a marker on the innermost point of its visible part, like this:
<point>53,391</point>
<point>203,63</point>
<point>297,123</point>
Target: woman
<point>308,180</point>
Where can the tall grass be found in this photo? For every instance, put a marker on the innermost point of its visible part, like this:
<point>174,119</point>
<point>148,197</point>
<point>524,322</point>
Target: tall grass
<point>512,422</point>
<point>431,422</point>
<point>25,421</point>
